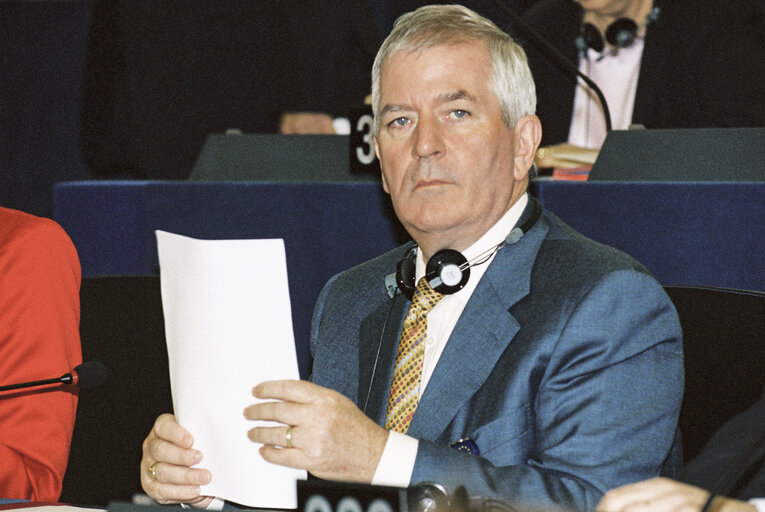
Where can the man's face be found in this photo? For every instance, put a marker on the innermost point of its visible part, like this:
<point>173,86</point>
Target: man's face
<point>447,158</point>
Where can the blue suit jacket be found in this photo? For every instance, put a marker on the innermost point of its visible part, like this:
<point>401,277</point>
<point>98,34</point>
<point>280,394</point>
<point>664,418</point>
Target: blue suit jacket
<point>565,368</point>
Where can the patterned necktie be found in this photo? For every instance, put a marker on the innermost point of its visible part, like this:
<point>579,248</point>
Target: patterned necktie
<point>405,388</point>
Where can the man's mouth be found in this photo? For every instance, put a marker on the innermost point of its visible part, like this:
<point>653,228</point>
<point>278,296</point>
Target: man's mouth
<point>431,182</point>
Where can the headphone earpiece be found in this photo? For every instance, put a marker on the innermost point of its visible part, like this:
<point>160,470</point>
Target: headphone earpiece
<point>621,33</point>
<point>589,37</point>
<point>405,270</point>
<point>447,271</point>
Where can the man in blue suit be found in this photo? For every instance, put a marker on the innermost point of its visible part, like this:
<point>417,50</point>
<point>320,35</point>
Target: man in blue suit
<point>541,368</point>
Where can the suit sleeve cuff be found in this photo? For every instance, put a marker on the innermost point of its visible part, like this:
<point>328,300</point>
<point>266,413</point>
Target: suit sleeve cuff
<point>397,461</point>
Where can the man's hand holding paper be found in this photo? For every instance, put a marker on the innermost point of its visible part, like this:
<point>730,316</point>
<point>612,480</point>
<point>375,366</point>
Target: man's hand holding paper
<point>166,472</point>
<point>323,431</point>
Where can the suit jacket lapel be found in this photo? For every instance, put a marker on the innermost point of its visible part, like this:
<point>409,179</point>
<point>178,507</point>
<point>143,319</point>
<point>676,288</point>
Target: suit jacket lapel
<point>379,335</point>
<point>480,337</point>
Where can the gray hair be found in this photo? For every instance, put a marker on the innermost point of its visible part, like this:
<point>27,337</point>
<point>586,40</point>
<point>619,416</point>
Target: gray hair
<point>434,25</point>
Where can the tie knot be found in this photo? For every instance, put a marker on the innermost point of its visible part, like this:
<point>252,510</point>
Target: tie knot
<point>425,298</point>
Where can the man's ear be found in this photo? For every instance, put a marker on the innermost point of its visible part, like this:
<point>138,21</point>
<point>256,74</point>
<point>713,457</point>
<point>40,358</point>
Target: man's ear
<point>377,152</point>
<point>528,134</point>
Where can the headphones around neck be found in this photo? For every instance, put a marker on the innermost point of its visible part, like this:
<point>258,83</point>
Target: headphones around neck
<point>619,34</point>
<point>448,271</point>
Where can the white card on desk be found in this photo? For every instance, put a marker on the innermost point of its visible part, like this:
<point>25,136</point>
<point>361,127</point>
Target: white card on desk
<point>228,326</point>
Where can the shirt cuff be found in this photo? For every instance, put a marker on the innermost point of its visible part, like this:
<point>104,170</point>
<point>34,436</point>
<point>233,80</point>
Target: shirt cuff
<point>759,504</point>
<point>397,461</point>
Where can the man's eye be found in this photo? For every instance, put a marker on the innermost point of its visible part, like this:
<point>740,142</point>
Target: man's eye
<point>399,121</point>
<point>459,114</point>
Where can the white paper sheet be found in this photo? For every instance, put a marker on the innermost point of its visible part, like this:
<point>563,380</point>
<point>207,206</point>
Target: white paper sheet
<point>228,326</point>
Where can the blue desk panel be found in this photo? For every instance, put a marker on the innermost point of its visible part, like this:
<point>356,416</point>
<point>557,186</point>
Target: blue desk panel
<point>710,234</point>
<point>704,233</point>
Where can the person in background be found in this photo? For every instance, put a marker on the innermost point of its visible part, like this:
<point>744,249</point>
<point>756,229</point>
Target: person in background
<point>39,339</point>
<point>679,64</point>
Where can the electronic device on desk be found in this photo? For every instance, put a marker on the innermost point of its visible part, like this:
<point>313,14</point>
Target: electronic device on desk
<point>325,496</point>
<point>692,154</point>
<point>271,157</point>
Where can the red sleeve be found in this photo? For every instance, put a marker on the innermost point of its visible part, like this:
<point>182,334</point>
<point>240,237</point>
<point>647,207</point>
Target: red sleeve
<point>39,339</point>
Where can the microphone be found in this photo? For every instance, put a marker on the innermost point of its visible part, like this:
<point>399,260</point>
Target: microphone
<point>433,497</point>
<point>84,376</point>
<point>558,56</point>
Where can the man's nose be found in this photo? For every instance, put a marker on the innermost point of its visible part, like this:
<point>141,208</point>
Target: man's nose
<point>428,138</point>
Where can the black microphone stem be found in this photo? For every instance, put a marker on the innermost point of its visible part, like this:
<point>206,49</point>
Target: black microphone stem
<point>562,60</point>
<point>58,380</point>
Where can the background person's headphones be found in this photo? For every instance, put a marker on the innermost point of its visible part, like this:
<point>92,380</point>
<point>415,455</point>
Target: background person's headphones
<point>448,271</point>
<point>619,34</point>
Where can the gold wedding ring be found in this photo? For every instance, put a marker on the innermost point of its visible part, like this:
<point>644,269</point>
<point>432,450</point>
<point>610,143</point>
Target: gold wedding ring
<point>288,437</point>
<point>153,471</point>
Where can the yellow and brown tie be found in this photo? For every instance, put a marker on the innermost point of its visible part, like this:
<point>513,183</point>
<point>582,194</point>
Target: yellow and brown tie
<point>405,388</point>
